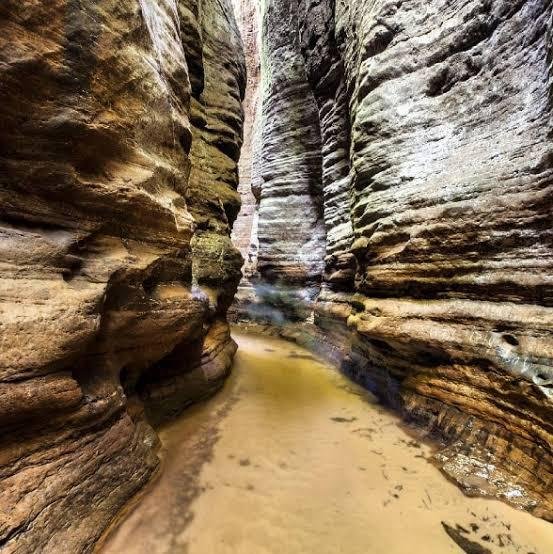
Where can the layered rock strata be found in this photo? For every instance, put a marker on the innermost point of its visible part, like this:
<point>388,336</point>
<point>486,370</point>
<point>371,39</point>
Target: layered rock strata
<point>290,232</point>
<point>120,135</point>
<point>248,18</point>
<point>435,177</point>
<point>244,232</point>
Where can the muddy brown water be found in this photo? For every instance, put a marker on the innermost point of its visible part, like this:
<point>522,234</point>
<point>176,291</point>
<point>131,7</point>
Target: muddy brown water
<point>290,457</point>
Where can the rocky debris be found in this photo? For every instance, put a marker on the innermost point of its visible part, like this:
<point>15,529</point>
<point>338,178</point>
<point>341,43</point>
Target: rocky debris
<point>434,170</point>
<point>121,130</point>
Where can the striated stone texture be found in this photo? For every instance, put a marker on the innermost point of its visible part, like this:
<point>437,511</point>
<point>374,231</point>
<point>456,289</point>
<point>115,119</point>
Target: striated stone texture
<point>325,72</point>
<point>248,18</point>
<point>120,135</point>
<point>244,232</point>
<point>435,171</point>
<point>290,228</point>
<point>284,260</point>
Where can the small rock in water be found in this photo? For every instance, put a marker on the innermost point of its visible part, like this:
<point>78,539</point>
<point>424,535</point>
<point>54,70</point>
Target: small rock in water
<point>339,419</point>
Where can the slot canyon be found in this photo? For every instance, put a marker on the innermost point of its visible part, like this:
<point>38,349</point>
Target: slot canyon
<point>276,276</point>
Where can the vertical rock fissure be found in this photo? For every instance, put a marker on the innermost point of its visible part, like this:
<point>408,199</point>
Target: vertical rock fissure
<point>285,258</point>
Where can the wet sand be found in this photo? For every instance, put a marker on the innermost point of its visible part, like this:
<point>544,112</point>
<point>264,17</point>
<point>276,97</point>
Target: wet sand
<point>292,458</point>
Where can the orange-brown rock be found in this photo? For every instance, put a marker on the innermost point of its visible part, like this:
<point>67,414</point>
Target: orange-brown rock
<point>121,130</point>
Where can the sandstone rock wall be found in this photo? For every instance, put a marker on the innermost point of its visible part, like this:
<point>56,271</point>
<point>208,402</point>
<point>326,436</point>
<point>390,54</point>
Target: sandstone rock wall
<point>120,135</point>
<point>284,260</point>
<point>290,227</point>
<point>435,171</point>
<point>244,233</point>
<point>249,18</point>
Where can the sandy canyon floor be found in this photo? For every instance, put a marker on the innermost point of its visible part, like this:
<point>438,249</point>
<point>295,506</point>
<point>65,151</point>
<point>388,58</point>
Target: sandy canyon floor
<point>293,458</point>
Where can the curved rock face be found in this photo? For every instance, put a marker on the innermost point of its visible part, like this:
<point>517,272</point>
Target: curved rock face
<point>121,131</point>
<point>436,167</point>
<point>290,158</point>
<point>248,17</point>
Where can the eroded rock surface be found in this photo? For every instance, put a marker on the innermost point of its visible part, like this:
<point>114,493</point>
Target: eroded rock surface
<point>434,170</point>
<point>244,232</point>
<point>248,18</point>
<point>121,131</point>
<point>290,229</point>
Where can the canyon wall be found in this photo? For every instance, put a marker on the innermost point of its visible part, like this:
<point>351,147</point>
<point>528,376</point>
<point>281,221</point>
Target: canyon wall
<point>248,18</point>
<point>421,132</point>
<point>244,232</point>
<point>120,135</point>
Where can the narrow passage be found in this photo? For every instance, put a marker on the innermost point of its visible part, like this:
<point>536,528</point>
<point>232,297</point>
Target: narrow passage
<point>292,458</point>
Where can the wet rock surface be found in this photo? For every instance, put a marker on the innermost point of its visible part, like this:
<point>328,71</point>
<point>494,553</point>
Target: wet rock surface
<point>434,183</point>
<point>121,130</point>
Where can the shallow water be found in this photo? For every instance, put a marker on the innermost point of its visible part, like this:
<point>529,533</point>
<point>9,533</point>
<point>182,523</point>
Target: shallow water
<point>292,458</point>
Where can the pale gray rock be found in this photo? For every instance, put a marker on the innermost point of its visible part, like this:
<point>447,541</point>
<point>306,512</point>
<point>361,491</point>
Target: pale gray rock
<point>435,175</point>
